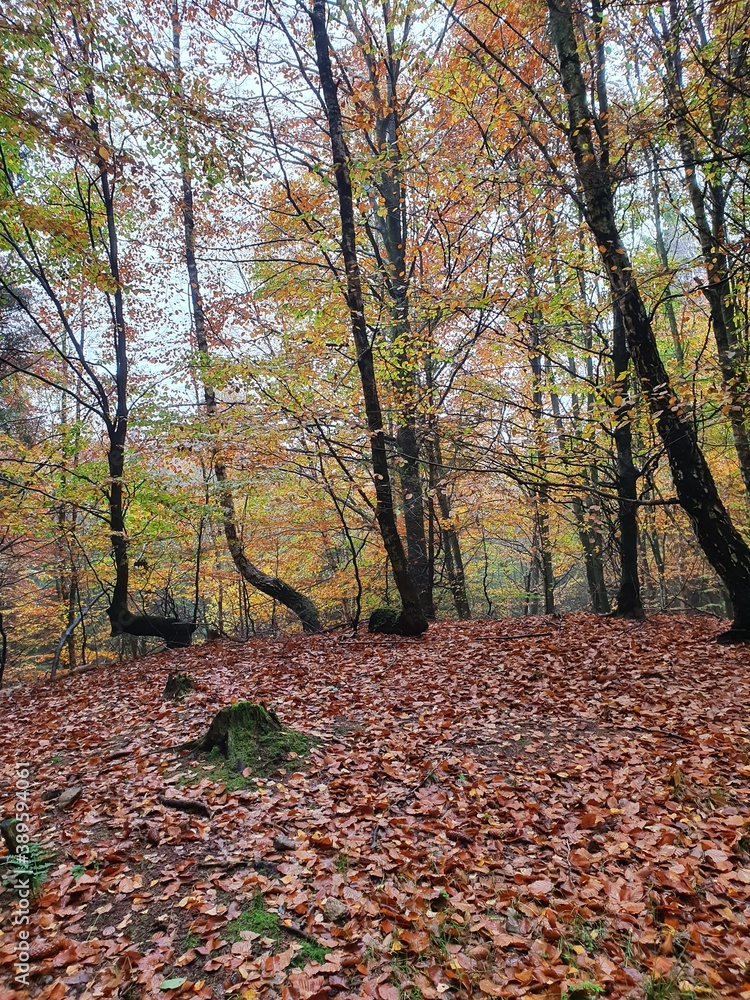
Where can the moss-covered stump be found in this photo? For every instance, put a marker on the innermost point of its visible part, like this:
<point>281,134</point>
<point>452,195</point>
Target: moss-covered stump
<point>386,621</point>
<point>249,735</point>
<point>177,686</point>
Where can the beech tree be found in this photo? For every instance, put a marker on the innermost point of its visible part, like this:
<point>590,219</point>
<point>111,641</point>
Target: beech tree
<point>412,620</point>
<point>723,545</point>
<point>272,586</point>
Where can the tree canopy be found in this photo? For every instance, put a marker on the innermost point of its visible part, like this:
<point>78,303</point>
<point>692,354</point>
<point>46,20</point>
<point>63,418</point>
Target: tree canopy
<point>308,310</point>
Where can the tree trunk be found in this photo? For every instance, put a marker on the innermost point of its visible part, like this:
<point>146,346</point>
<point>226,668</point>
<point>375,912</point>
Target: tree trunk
<point>710,225</point>
<point>272,586</point>
<point>628,600</point>
<point>117,422</point>
<point>454,564</point>
<point>413,620</point>
<point>724,547</point>
<point>417,552</point>
<point>589,536</point>
<point>3,648</point>
<point>541,492</point>
<point>545,549</point>
<point>592,556</point>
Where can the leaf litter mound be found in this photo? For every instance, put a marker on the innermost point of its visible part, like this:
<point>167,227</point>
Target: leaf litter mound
<point>560,814</point>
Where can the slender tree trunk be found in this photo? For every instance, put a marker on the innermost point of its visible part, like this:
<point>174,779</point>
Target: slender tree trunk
<point>454,565</point>
<point>661,250</point>
<point>393,233</point>
<point>541,492</point>
<point>3,648</point>
<point>117,422</point>
<point>709,215</point>
<point>545,549</point>
<point>588,534</point>
<point>412,619</point>
<point>722,544</point>
<point>272,586</point>
<point>628,600</point>
<point>592,556</point>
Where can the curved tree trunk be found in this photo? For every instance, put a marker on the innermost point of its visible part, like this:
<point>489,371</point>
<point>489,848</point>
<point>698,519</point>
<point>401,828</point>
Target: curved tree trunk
<point>723,545</point>
<point>272,586</point>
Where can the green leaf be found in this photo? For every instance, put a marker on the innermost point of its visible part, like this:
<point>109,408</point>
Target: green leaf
<point>173,984</point>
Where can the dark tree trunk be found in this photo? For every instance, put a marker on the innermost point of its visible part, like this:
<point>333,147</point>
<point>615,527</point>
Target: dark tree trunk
<point>393,232</point>
<point>545,549</point>
<point>724,547</point>
<point>417,552</point>
<point>591,543</point>
<point>628,600</point>
<point>272,586</point>
<point>413,620</point>
<point>454,564</point>
<point>709,214</point>
<point>3,648</point>
<point>541,492</point>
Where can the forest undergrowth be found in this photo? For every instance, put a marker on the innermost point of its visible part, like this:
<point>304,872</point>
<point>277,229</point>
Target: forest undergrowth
<point>544,807</point>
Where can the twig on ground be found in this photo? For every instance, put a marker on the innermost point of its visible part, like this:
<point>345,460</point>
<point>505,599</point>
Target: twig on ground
<point>519,635</point>
<point>197,806</point>
<point>656,732</point>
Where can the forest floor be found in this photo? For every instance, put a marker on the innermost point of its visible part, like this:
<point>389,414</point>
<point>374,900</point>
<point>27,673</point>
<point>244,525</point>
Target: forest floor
<point>545,807</point>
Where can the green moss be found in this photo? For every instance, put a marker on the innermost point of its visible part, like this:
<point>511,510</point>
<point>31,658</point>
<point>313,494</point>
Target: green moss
<point>248,736</point>
<point>385,621</point>
<point>310,952</point>
<point>256,918</point>
<point>268,752</point>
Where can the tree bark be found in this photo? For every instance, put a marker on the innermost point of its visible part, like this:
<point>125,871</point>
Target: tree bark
<point>454,564</point>
<point>696,490</point>
<point>591,543</point>
<point>272,586</point>
<point>541,492</point>
<point>117,423</point>
<point>628,600</point>
<point>413,619</point>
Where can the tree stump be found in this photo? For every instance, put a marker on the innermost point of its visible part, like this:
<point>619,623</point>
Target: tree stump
<point>177,686</point>
<point>386,621</point>
<point>250,735</point>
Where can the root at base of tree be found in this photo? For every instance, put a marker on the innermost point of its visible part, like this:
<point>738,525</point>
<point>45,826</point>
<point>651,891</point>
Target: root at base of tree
<point>388,621</point>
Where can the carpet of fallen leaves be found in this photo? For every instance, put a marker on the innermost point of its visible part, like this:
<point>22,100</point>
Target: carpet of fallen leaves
<point>497,816</point>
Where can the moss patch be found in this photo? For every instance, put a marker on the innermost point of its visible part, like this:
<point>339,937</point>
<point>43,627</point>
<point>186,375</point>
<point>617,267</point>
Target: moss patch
<point>249,737</point>
<point>309,952</point>
<point>256,918</point>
